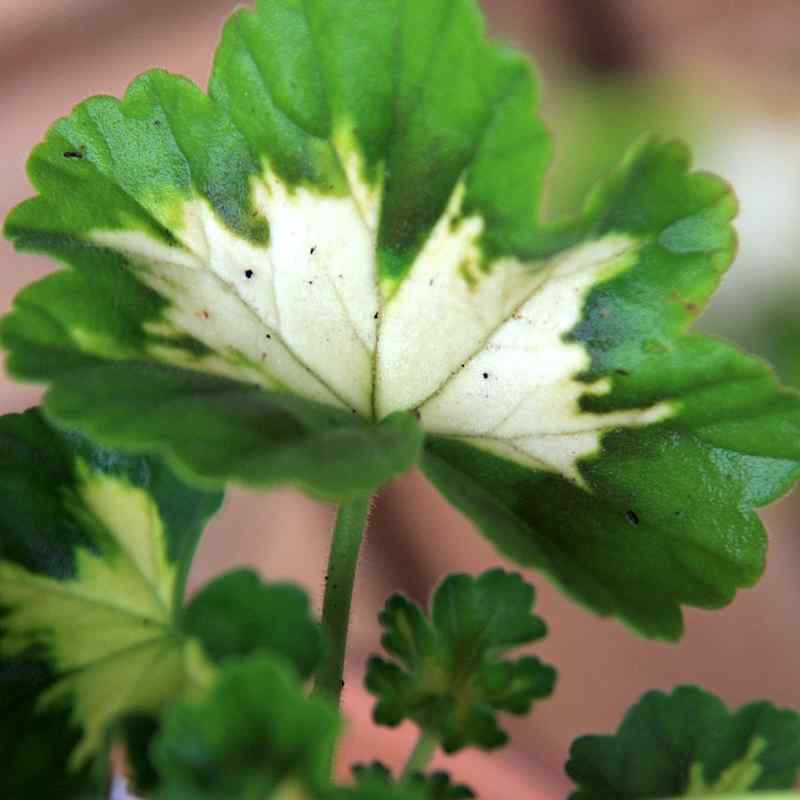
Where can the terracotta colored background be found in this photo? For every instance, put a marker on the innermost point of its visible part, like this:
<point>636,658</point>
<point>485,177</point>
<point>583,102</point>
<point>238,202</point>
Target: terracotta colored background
<point>54,53</point>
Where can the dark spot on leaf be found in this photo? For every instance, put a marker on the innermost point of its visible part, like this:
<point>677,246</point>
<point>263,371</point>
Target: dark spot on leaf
<point>623,372</point>
<point>486,376</point>
<point>311,283</point>
<point>313,250</point>
<point>248,273</point>
<point>73,154</point>
<point>203,313</point>
<point>632,517</point>
<point>157,123</point>
<point>376,315</point>
<point>269,336</point>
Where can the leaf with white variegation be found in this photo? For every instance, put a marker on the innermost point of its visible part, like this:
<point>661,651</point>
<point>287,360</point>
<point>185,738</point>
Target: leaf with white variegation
<point>344,235</point>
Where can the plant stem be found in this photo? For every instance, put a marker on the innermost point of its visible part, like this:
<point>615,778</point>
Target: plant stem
<point>421,754</point>
<point>351,523</point>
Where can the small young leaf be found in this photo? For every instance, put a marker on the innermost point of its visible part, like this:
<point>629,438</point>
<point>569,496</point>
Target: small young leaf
<point>435,786</point>
<point>451,678</point>
<point>94,547</point>
<point>688,744</point>
<point>237,615</point>
<point>253,734</point>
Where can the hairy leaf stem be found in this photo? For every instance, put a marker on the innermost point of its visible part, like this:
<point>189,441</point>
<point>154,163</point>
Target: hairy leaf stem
<point>351,522</point>
<point>421,754</point>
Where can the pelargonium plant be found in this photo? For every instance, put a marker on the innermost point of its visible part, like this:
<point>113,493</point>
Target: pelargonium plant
<point>328,268</point>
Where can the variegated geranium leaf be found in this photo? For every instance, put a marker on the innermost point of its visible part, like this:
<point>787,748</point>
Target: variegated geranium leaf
<point>94,550</point>
<point>270,282</point>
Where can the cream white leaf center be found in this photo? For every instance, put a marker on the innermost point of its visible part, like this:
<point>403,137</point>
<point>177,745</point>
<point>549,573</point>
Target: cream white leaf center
<point>479,350</point>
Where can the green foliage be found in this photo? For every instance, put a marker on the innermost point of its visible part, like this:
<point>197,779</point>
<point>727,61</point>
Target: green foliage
<point>237,615</point>
<point>329,268</point>
<point>252,280</point>
<point>449,674</point>
<point>688,744</point>
<point>254,734</point>
<point>435,786</point>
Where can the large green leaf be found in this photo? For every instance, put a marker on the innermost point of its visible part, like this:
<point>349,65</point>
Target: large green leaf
<point>270,282</point>
<point>452,678</point>
<point>94,548</point>
<point>688,744</point>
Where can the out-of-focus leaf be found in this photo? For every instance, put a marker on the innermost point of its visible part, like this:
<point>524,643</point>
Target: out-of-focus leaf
<point>688,744</point>
<point>238,614</point>
<point>254,734</point>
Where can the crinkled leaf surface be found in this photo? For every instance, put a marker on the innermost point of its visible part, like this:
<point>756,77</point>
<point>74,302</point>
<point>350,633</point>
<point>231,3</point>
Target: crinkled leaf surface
<point>267,281</point>
<point>238,615</point>
<point>93,551</point>
<point>448,672</point>
<point>435,786</point>
<point>688,744</point>
<point>253,734</point>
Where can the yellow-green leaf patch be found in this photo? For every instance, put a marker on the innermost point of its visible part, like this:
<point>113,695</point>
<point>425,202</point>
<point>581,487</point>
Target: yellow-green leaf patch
<point>94,548</point>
